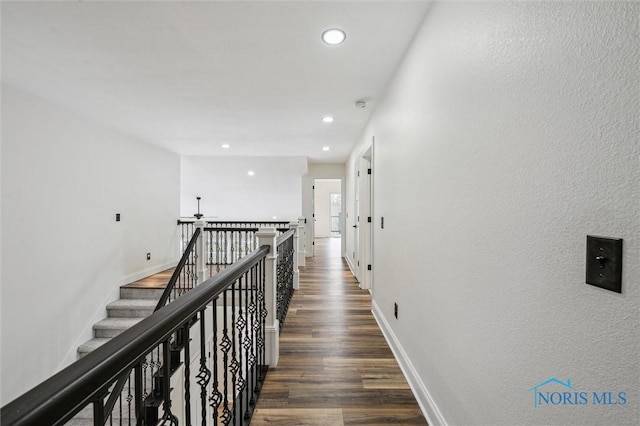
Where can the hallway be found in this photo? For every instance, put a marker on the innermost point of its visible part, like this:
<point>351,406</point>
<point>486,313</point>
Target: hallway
<point>335,366</point>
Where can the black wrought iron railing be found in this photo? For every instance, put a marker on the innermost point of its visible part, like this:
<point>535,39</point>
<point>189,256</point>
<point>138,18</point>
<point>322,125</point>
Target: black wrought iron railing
<point>187,226</point>
<point>248,224</point>
<point>226,241</point>
<point>185,275</point>
<point>284,273</point>
<point>200,359</point>
<point>224,246</point>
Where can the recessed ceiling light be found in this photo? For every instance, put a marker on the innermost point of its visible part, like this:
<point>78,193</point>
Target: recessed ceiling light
<point>225,146</point>
<point>274,217</point>
<point>326,148</point>
<point>251,173</point>
<point>327,119</point>
<point>333,36</point>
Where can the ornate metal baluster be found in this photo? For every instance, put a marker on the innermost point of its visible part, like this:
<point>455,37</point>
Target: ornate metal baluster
<point>145,391</point>
<point>234,246</point>
<point>138,398</point>
<point>194,267</point>
<point>247,346</point>
<point>240,324</point>
<point>210,248</point>
<point>187,374</point>
<point>225,344</point>
<point>204,375</point>
<point>131,414</point>
<point>255,327</point>
<point>158,362</point>
<point>217,252</point>
<point>216,397</point>
<point>227,247</point>
<point>166,387</point>
<point>262,318</point>
<point>119,408</point>
<point>234,366</point>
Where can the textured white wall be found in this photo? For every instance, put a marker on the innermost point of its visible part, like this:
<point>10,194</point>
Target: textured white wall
<point>322,205</point>
<point>64,256</point>
<point>229,193</point>
<point>509,133</point>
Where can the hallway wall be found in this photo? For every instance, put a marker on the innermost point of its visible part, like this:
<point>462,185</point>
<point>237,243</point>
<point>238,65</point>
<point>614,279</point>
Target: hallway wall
<point>509,134</point>
<point>64,256</point>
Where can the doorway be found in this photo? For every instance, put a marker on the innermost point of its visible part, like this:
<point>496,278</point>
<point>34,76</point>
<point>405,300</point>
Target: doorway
<point>327,208</point>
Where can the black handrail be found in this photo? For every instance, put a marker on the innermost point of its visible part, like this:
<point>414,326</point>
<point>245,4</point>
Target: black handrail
<point>207,229</point>
<point>234,222</point>
<point>60,397</point>
<point>241,222</point>
<point>178,270</point>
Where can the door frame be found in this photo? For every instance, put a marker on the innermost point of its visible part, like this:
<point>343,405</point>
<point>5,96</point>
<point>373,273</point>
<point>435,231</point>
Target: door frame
<point>365,208</point>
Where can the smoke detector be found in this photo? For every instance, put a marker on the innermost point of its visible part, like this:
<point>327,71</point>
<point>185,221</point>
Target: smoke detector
<point>361,104</point>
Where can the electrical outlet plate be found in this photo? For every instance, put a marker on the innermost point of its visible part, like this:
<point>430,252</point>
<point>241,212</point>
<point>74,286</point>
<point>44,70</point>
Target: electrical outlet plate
<point>604,263</point>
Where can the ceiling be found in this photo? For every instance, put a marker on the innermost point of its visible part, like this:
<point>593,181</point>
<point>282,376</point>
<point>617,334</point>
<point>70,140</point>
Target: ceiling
<point>190,76</point>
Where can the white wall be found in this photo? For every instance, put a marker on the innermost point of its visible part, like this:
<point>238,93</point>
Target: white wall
<point>228,193</point>
<point>322,205</point>
<point>509,134</point>
<point>318,171</point>
<point>64,256</point>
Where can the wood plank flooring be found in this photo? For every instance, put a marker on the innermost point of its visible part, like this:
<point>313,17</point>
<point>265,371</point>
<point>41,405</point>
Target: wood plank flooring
<point>154,282</point>
<point>335,366</point>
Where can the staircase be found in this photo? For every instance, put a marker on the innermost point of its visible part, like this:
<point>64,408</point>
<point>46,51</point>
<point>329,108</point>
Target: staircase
<point>135,303</point>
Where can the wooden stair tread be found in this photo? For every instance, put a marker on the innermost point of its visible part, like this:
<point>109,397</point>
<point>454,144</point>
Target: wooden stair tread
<point>156,281</point>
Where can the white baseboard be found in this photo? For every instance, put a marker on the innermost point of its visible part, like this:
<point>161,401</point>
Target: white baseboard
<point>425,401</point>
<point>351,267</point>
<point>147,272</point>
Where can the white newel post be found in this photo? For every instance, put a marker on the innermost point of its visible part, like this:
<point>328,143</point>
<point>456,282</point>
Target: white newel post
<point>201,250</point>
<point>296,250</point>
<point>302,254</point>
<point>267,236</point>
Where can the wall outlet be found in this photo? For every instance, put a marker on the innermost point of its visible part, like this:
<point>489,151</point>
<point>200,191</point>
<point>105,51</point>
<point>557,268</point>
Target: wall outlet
<point>395,310</point>
<point>148,256</point>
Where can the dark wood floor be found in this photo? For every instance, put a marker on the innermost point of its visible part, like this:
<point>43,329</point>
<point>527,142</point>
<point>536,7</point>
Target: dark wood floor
<point>335,366</point>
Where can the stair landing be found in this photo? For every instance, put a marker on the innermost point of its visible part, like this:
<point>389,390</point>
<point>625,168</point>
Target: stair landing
<point>157,281</point>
